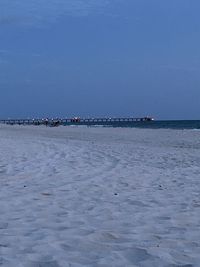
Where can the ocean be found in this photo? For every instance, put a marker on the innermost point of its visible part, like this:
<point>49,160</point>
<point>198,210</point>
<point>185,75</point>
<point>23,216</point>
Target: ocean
<point>160,124</point>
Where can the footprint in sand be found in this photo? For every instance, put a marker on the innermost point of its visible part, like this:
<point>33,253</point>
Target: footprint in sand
<point>137,255</point>
<point>42,264</point>
<point>41,261</point>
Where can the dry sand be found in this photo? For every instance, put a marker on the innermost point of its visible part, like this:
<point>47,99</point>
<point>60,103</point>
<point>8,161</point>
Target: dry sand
<point>78,196</point>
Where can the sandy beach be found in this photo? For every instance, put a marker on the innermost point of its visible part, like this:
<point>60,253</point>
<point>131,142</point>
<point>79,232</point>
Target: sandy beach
<point>79,196</point>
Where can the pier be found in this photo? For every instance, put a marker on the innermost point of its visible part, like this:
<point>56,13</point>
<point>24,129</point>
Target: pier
<point>74,121</point>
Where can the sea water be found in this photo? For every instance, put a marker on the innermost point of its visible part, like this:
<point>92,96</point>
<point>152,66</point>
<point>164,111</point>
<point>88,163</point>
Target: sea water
<point>160,124</point>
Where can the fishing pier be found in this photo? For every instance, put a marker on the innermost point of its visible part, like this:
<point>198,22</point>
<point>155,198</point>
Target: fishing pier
<point>75,121</point>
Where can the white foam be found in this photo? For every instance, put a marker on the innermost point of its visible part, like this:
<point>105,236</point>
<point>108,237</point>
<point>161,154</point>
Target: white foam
<point>77,196</point>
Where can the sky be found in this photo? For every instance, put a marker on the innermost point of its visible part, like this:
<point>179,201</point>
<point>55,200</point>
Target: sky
<point>63,58</point>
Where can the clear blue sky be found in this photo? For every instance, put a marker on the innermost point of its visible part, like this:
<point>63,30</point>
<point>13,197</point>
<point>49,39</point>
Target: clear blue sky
<point>99,58</point>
